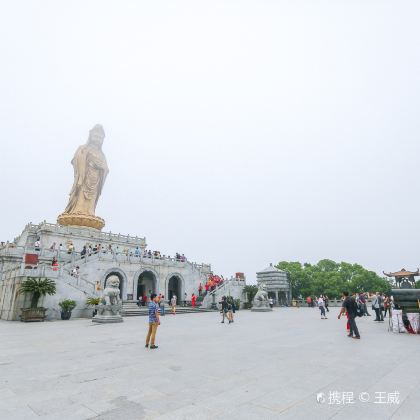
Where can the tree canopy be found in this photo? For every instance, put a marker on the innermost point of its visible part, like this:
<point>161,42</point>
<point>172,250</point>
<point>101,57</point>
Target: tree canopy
<point>331,278</point>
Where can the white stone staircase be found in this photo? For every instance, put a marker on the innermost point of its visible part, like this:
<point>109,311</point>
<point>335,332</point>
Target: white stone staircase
<point>230,287</point>
<point>130,308</point>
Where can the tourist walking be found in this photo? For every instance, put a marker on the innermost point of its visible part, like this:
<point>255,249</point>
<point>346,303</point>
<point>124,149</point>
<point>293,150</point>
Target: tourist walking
<point>327,302</point>
<point>154,321</point>
<point>173,304</point>
<point>193,298</point>
<point>362,301</point>
<point>224,309</point>
<point>185,299</point>
<point>233,309</point>
<point>309,301</point>
<point>271,302</point>
<point>350,305</point>
<point>162,305</point>
<point>387,306</point>
<point>321,306</point>
<point>377,303</point>
<point>230,309</point>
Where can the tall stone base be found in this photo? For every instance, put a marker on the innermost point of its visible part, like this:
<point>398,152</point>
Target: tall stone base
<point>107,319</point>
<point>261,309</point>
<point>108,314</point>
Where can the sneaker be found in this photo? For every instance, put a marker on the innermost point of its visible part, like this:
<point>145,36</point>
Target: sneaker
<point>146,346</point>
<point>153,347</point>
<point>357,337</point>
<point>350,335</point>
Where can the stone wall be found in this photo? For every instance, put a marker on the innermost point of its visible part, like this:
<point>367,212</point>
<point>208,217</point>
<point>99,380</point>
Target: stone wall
<point>93,270</point>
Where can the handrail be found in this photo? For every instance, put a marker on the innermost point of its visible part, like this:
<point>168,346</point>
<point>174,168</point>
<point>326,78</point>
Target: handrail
<point>108,236</point>
<point>76,257</point>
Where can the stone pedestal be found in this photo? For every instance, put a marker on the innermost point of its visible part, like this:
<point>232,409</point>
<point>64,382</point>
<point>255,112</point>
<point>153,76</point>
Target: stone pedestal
<point>261,309</point>
<point>108,314</point>
<point>107,319</point>
<point>68,219</point>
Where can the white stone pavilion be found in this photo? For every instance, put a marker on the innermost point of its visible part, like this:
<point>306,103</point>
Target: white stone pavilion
<point>277,284</point>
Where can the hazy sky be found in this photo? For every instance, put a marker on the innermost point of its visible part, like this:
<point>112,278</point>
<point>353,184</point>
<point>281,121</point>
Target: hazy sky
<point>237,132</point>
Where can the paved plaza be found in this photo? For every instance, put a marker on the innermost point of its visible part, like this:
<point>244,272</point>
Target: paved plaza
<point>264,366</point>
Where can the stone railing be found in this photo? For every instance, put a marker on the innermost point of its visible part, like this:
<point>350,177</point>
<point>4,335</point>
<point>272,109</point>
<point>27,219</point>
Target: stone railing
<point>54,273</point>
<point>73,258</point>
<point>104,236</point>
<point>331,303</point>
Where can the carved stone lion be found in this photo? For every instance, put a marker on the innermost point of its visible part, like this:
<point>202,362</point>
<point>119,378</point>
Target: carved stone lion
<point>111,295</point>
<point>261,297</point>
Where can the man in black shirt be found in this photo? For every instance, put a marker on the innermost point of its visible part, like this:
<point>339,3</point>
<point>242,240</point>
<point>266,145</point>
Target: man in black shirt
<point>350,305</point>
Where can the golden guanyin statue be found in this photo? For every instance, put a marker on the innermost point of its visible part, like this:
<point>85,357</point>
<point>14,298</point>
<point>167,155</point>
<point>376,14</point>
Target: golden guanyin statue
<point>90,172</point>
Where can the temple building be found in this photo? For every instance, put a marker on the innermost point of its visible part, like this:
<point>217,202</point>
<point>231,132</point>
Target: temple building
<point>80,257</point>
<point>404,279</point>
<point>277,284</point>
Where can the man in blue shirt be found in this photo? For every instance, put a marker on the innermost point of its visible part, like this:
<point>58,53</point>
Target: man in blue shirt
<point>154,321</point>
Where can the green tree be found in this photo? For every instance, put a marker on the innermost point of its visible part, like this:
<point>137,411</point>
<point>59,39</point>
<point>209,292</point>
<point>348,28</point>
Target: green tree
<point>331,278</point>
<point>37,287</point>
<point>251,290</point>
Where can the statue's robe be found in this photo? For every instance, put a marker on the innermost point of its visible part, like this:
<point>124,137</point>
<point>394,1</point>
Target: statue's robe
<point>90,172</point>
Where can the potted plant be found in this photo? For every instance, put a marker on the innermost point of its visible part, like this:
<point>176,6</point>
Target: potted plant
<point>93,301</point>
<point>37,287</point>
<point>66,306</point>
<point>237,304</point>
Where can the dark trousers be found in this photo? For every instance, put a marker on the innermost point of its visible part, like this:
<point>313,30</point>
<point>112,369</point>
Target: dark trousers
<point>365,310</point>
<point>387,310</point>
<point>353,327</point>
<point>379,316</point>
<point>322,310</point>
<point>326,307</point>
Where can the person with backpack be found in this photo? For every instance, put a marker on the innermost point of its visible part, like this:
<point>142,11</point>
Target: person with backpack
<point>230,309</point>
<point>224,310</point>
<point>350,305</point>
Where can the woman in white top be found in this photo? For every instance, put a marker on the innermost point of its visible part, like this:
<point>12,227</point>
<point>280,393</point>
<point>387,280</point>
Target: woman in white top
<point>321,306</point>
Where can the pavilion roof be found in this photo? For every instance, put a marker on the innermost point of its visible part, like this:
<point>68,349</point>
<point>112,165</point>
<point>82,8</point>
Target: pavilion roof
<point>403,273</point>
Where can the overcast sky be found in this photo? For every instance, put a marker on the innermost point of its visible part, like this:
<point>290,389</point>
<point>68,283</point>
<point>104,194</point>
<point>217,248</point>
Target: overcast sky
<point>237,132</point>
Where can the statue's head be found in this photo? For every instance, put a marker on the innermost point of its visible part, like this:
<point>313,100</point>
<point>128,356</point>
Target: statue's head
<point>96,136</point>
<point>262,287</point>
<point>113,281</point>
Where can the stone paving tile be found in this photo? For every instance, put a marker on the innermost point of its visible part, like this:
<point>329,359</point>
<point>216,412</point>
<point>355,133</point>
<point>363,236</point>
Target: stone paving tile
<point>264,366</point>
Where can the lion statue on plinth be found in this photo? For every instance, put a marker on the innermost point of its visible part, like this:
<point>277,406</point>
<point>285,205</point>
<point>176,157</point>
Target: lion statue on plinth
<point>111,294</point>
<point>260,302</point>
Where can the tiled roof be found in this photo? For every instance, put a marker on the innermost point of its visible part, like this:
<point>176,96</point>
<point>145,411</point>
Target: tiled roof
<point>403,273</point>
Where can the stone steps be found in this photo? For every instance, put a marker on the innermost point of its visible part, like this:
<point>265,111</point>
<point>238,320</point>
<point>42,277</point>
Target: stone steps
<point>131,309</point>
